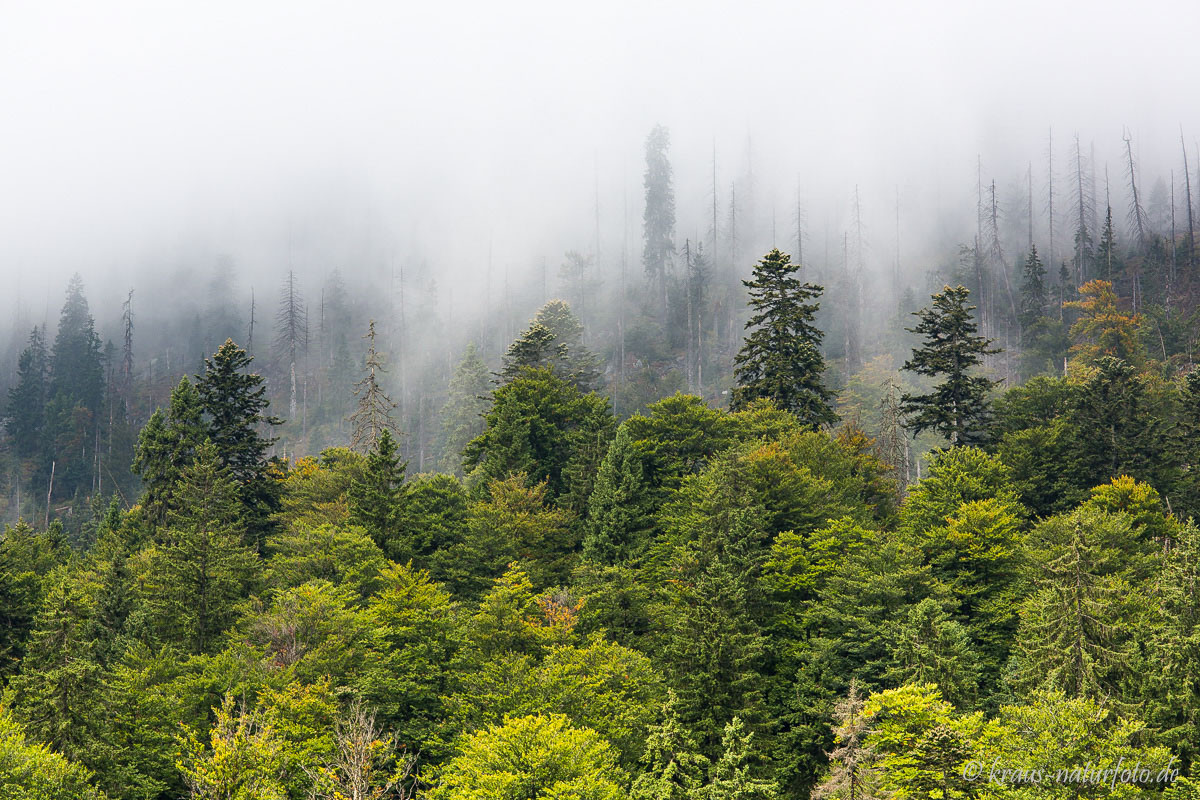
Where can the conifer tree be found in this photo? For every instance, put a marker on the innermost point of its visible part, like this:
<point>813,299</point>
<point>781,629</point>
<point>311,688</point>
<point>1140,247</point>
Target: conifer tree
<point>375,500</point>
<point>733,775</point>
<point>167,446</point>
<point>780,359</point>
<point>620,512</point>
<point>933,648</point>
<point>1185,442</point>
<point>536,348</point>
<point>533,426</point>
<point>579,362</point>
<point>1078,627</point>
<point>673,770</point>
<point>201,570</point>
<point>1033,289</point>
<point>1114,430</point>
<point>56,692</point>
<point>554,341</point>
<point>76,369</point>
<point>658,217</point>
<point>462,416</point>
<point>374,413</point>
<point>852,761</point>
<point>26,412</point>
<point>957,408</point>
<point>1103,328</point>
<point>235,403</point>
<point>1106,254</point>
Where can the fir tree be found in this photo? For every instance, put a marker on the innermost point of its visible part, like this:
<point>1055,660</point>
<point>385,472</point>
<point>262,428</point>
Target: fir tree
<point>56,692</point>
<point>536,348</point>
<point>554,341</point>
<point>658,218</point>
<point>374,413</point>
<point>1033,289</point>
<point>933,648</point>
<point>733,775</point>
<point>852,762</point>
<point>1078,627</point>
<point>534,426</point>
<point>673,770</point>
<point>579,363</point>
<point>235,403</point>
<point>462,416</point>
<point>167,446</point>
<point>375,500</point>
<point>1106,254</point>
<point>26,412</point>
<point>75,361</point>
<point>780,359</point>
<point>201,570</point>
<point>958,408</point>
<point>620,512</point>
<point>26,558</point>
<point>1114,429</point>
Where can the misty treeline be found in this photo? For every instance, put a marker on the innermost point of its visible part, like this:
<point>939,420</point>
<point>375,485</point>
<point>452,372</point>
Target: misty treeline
<point>716,525</point>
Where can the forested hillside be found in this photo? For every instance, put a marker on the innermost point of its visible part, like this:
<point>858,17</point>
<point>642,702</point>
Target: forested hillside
<point>779,596</point>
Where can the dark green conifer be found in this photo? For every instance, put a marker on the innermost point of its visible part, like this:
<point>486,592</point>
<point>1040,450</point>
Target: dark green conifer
<point>958,407</point>
<point>780,359</point>
<point>26,412</point>
<point>167,446</point>
<point>375,500</point>
<point>235,403</point>
<point>1033,289</point>
<point>620,515</point>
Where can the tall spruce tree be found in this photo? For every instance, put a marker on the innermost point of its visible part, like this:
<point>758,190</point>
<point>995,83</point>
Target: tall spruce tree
<point>75,394</point>
<point>780,359</point>
<point>462,416</point>
<point>374,413</point>
<point>235,403</point>
<point>202,569</point>
<point>673,768</point>
<point>579,362</point>
<point>553,340</point>
<point>1033,289</point>
<point>26,412</point>
<point>76,368</point>
<point>1106,255</point>
<point>620,508</point>
<point>58,689</point>
<point>658,218</point>
<point>536,348</point>
<point>375,499</point>
<point>734,774</point>
<point>958,408</point>
<point>167,446</point>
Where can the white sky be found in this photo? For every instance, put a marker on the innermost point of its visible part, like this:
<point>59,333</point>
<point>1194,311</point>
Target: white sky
<point>131,130</point>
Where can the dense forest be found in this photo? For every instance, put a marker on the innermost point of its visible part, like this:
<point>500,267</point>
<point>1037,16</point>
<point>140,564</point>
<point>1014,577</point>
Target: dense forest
<point>738,524</point>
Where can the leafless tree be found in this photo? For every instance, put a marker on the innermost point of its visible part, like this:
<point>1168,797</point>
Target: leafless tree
<point>367,764</point>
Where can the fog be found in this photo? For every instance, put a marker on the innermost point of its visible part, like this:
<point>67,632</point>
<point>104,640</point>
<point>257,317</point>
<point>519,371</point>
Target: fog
<point>139,142</point>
